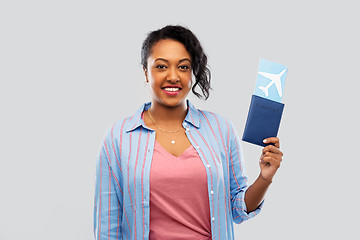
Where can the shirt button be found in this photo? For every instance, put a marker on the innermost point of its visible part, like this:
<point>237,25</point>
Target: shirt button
<point>212,192</point>
<point>213,219</point>
<point>197,147</point>
<point>208,165</point>
<point>187,129</point>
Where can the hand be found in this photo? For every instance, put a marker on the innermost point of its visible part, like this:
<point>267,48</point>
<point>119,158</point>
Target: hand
<point>271,158</point>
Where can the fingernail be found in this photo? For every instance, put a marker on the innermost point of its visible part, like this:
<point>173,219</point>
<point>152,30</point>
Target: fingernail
<point>264,141</point>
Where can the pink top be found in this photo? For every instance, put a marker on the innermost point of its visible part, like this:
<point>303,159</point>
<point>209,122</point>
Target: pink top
<point>179,202</point>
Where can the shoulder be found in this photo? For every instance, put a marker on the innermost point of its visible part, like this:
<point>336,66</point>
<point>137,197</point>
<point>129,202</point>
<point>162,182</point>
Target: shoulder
<point>126,124</point>
<point>119,128</point>
<point>212,120</point>
<point>121,124</point>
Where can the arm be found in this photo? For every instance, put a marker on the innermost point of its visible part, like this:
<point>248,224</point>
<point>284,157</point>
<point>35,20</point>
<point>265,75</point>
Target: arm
<point>270,160</point>
<point>107,205</point>
<point>238,179</point>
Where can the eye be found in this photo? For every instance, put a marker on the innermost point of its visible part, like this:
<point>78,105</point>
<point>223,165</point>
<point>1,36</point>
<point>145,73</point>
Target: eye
<point>160,66</point>
<point>184,67</point>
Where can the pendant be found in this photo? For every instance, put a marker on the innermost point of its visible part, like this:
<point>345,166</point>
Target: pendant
<point>173,141</point>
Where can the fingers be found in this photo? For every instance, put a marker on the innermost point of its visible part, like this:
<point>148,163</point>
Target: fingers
<point>271,158</point>
<point>272,140</point>
<point>273,149</point>
<point>271,154</point>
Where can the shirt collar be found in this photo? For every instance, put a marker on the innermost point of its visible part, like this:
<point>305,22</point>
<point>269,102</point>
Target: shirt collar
<point>192,115</point>
<point>136,121</point>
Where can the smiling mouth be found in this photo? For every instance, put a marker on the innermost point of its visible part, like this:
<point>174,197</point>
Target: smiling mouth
<point>172,89</point>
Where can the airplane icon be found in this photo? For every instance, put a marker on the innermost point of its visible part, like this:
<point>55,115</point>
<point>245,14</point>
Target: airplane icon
<point>275,79</point>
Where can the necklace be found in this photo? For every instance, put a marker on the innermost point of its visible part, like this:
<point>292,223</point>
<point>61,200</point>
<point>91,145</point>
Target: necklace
<point>157,125</point>
<point>153,120</point>
<point>164,131</point>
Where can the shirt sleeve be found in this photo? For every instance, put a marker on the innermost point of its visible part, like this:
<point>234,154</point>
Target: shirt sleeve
<point>107,204</point>
<point>238,180</point>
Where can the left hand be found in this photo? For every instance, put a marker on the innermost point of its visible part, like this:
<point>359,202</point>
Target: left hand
<point>271,158</point>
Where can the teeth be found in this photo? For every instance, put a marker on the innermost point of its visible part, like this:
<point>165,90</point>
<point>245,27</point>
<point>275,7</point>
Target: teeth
<point>172,89</point>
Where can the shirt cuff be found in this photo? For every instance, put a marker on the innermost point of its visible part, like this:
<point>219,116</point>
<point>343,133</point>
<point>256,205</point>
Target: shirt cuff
<point>239,210</point>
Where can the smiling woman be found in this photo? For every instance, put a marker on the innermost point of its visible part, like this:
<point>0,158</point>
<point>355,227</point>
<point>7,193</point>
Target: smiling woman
<point>193,47</point>
<point>172,171</point>
<point>168,73</point>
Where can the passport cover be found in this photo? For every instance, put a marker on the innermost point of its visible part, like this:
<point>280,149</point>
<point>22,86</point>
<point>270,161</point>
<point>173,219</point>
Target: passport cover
<point>263,120</point>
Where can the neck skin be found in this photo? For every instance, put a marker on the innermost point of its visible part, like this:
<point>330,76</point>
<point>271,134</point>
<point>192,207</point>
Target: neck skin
<point>168,115</point>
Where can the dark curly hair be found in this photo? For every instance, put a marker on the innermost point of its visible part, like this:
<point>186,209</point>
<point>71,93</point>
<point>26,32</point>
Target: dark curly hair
<point>189,40</point>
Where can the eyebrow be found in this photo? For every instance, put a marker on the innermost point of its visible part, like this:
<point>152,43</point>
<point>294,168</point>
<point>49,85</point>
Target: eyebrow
<point>180,61</point>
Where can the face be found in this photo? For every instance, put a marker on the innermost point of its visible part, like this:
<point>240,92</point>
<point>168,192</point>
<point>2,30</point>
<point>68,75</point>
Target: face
<point>169,73</point>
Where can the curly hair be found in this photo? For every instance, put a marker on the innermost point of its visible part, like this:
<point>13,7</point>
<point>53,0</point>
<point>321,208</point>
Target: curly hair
<point>189,40</point>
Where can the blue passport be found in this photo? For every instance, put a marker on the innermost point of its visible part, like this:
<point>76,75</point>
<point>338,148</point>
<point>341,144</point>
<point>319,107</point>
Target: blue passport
<point>263,120</point>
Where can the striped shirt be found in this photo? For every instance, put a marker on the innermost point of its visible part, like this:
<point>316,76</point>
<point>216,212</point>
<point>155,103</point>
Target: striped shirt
<point>122,209</point>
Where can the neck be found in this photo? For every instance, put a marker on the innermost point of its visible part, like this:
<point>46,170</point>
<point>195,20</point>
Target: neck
<point>165,114</point>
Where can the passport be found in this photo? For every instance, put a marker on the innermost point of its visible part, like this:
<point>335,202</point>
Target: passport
<point>265,109</point>
<point>263,120</point>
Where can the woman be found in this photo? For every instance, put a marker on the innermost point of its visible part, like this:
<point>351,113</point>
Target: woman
<point>171,171</point>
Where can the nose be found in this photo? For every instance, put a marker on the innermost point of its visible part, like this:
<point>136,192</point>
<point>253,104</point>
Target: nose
<point>173,75</point>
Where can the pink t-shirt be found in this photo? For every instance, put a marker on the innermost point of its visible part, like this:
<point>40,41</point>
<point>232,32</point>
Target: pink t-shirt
<point>179,202</point>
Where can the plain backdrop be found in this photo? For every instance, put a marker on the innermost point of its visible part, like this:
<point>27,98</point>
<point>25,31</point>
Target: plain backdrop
<point>70,69</point>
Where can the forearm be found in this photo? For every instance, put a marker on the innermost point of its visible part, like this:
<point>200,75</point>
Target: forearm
<point>256,192</point>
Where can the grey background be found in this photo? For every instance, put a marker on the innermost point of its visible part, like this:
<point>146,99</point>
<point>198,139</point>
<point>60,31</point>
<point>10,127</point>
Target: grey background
<point>70,69</point>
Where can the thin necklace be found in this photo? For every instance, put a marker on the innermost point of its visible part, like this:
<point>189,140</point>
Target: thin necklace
<point>157,125</point>
<point>162,123</point>
<point>164,131</point>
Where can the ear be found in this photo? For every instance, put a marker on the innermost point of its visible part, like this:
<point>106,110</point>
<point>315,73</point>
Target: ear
<point>146,74</point>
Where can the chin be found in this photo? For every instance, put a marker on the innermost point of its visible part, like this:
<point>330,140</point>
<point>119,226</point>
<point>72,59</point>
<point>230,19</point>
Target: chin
<point>173,102</point>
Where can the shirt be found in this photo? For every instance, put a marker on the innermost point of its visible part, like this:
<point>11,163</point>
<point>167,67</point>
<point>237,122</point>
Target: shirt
<point>184,208</point>
<point>121,207</point>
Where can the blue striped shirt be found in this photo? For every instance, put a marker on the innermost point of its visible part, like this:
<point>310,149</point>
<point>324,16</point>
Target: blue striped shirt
<point>121,208</point>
